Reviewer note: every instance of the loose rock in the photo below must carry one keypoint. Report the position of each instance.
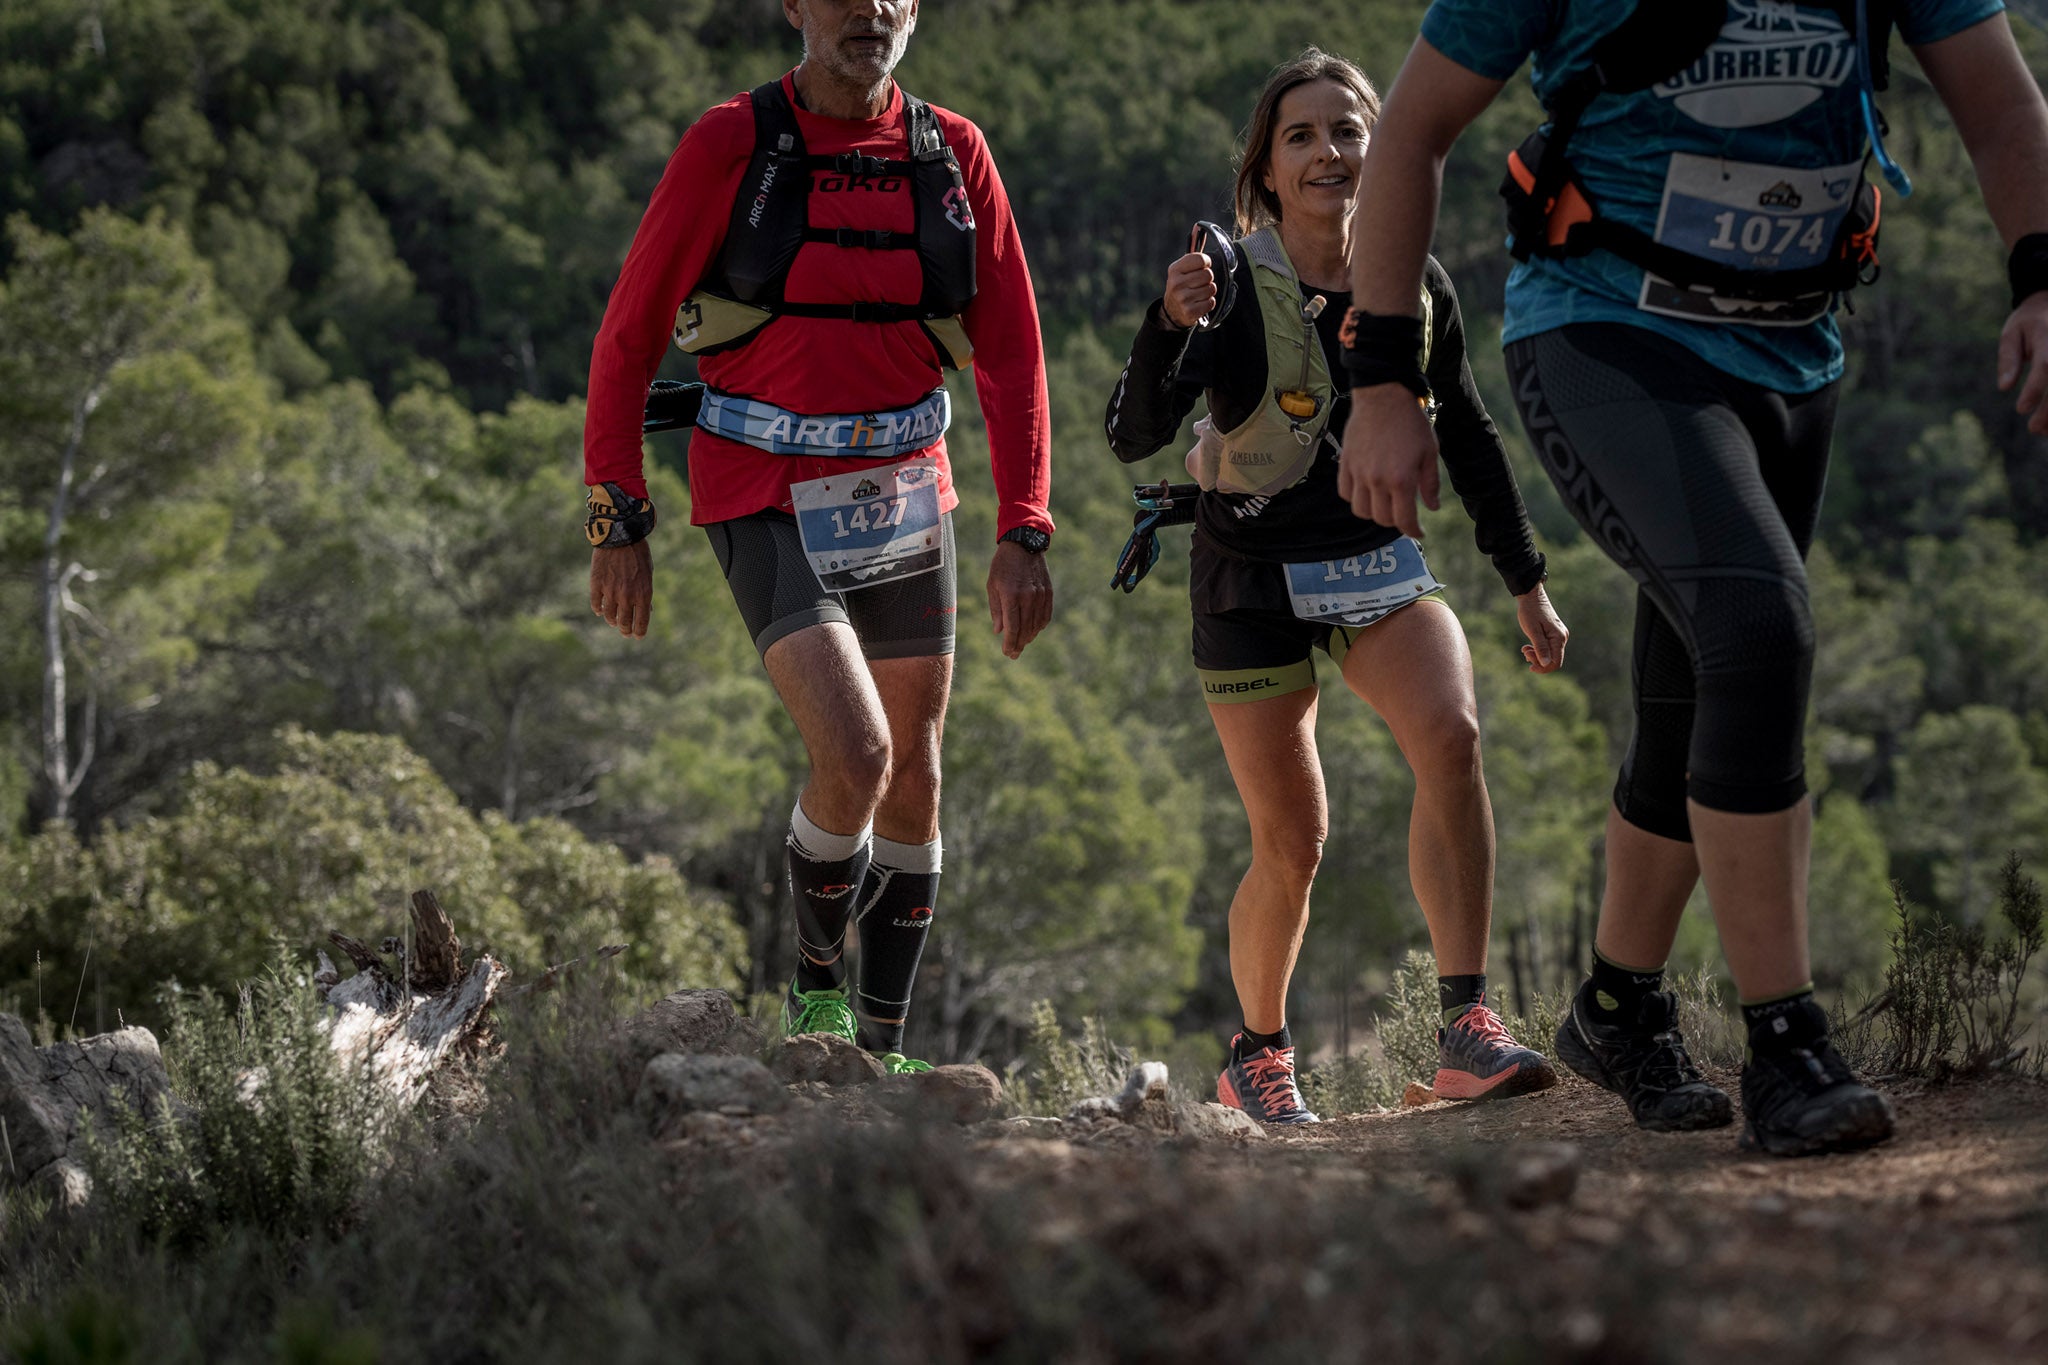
(48, 1094)
(1210, 1120)
(1522, 1176)
(1146, 1081)
(696, 1021)
(675, 1085)
(950, 1094)
(826, 1058)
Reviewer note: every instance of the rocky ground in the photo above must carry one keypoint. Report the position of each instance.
(1541, 1228)
(796, 1200)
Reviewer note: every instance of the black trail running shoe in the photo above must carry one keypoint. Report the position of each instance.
(1644, 1062)
(1799, 1097)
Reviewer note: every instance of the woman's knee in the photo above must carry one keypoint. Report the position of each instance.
(1292, 851)
(1443, 747)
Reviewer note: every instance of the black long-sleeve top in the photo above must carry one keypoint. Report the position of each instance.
(1170, 368)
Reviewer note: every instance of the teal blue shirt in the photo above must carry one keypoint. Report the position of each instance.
(1748, 157)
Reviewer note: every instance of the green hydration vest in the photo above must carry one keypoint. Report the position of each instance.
(1274, 447)
(770, 223)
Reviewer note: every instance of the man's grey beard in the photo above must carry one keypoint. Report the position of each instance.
(899, 43)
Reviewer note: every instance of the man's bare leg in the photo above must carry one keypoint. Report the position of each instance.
(900, 895)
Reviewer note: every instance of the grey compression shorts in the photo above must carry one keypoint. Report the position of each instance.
(779, 594)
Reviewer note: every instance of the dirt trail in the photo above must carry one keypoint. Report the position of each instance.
(1675, 1248)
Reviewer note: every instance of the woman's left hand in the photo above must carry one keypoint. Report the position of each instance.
(1547, 634)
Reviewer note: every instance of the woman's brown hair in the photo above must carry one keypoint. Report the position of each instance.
(1256, 205)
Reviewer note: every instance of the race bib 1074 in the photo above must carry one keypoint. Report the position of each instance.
(1749, 217)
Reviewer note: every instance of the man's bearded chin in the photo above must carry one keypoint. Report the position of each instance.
(856, 65)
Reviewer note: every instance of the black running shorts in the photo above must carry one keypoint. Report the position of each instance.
(1706, 489)
(1249, 644)
(779, 594)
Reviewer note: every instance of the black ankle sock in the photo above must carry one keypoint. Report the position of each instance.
(1456, 994)
(1790, 1021)
(1618, 991)
(895, 918)
(1249, 1043)
(822, 882)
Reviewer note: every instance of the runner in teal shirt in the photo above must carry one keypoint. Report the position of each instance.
(1684, 413)
(1778, 89)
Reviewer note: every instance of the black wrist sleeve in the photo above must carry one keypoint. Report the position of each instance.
(2027, 267)
(614, 517)
(1384, 350)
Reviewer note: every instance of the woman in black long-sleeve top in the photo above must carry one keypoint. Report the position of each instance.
(1281, 567)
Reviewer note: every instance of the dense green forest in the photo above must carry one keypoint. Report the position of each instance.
(296, 303)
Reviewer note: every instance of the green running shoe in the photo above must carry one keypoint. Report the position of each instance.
(823, 1011)
(896, 1064)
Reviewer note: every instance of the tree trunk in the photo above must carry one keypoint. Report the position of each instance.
(60, 769)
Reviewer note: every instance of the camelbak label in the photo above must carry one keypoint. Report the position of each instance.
(1750, 217)
(1359, 589)
(871, 526)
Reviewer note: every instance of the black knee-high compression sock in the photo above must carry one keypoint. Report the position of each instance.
(895, 916)
(825, 870)
(1618, 991)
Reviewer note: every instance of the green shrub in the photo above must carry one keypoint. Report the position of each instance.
(1059, 1072)
(337, 836)
(271, 1131)
(1713, 1033)
(1951, 1005)
(1405, 1031)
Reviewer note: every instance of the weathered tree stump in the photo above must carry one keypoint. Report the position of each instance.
(401, 1022)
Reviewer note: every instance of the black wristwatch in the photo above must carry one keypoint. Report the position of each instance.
(1031, 538)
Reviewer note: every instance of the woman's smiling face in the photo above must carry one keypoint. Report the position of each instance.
(1319, 141)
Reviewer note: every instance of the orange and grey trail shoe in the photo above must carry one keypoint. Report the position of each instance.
(1263, 1086)
(1477, 1060)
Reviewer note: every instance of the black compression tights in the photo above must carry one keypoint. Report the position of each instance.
(1706, 489)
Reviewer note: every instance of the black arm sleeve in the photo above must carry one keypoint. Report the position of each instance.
(1154, 394)
(1471, 447)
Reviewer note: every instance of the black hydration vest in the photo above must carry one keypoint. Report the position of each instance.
(770, 223)
(1551, 216)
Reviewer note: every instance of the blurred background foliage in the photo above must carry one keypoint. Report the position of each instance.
(295, 311)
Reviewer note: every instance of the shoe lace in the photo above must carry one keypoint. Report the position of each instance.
(825, 1011)
(1272, 1074)
(1484, 1024)
(1663, 1062)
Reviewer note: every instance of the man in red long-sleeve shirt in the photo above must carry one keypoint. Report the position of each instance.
(826, 245)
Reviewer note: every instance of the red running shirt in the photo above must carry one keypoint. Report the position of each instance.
(820, 365)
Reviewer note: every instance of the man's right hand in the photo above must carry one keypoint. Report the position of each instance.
(1389, 458)
(1190, 290)
(622, 587)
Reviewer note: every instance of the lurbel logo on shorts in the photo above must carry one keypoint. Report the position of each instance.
(920, 918)
(1772, 60)
(867, 488)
